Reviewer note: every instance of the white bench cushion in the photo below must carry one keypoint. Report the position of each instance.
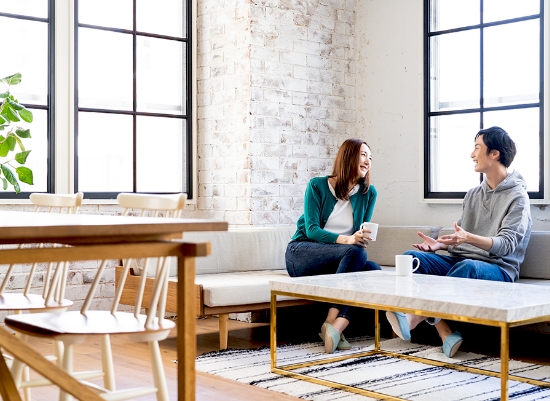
(239, 288)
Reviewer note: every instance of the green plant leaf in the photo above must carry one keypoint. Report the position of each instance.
(23, 133)
(2, 119)
(4, 183)
(10, 177)
(26, 115)
(12, 79)
(25, 175)
(11, 142)
(14, 104)
(21, 157)
(4, 149)
(9, 114)
(4, 95)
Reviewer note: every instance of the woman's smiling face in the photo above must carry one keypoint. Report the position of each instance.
(365, 161)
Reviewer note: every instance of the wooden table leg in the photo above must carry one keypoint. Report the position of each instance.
(504, 359)
(187, 342)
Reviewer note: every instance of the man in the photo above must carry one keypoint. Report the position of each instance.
(490, 238)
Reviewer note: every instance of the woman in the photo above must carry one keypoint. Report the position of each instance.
(328, 239)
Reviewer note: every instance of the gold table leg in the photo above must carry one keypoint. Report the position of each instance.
(504, 361)
(376, 330)
(273, 332)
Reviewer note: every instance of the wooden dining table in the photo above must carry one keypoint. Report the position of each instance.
(96, 237)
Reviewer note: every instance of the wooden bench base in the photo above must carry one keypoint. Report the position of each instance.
(201, 310)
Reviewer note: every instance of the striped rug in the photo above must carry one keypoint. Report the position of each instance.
(397, 377)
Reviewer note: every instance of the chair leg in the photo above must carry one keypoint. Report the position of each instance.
(68, 366)
(223, 330)
(107, 363)
(58, 351)
(158, 371)
(17, 371)
(26, 378)
(20, 371)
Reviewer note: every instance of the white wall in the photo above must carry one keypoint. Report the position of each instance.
(390, 112)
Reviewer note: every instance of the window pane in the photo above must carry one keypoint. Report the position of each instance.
(497, 10)
(105, 69)
(108, 13)
(29, 56)
(31, 8)
(448, 14)
(163, 17)
(160, 58)
(105, 162)
(38, 145)
(451, 144)
(511, 74)
(454, 70)
(160, 154)
(523, 127)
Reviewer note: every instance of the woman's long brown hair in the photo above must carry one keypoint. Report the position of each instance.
(345, 168)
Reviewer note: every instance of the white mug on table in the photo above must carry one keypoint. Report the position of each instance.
(404, 265)
(372, 227)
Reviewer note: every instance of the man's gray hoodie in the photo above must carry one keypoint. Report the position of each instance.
(504, 215)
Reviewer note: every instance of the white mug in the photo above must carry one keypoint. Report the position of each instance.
(372, 227)
(404, 265)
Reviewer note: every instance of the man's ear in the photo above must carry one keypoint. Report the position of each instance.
(495, 154)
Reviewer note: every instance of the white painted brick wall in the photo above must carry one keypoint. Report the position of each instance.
(295, 83)
(276, 88)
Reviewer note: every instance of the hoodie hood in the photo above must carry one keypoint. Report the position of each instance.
(513, 180)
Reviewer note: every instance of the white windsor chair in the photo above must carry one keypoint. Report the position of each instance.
(53, 281)
(72, 327)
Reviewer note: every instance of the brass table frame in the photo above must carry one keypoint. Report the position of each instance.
(287, 370)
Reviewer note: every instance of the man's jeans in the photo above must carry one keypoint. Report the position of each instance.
(442, 265)
(304, 258)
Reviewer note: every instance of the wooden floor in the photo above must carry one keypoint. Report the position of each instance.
(131, 359)
(131, 363)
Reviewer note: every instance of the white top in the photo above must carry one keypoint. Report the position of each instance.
(340, 220)
(491, 300)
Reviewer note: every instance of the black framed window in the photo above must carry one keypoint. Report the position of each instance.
(483, 68)
(132, 94)
(30, 25)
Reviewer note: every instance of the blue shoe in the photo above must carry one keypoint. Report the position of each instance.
(399, 324)
(343, 344)
(452, 344)
(331, 337)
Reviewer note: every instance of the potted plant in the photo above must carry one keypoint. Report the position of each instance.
(12, 136)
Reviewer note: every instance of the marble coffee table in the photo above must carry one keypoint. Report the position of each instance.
(490, 303)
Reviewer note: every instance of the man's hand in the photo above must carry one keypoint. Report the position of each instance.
(460, 236)
(429, 244)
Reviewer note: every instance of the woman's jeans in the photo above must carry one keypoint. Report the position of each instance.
(452, 266)
(304, 258)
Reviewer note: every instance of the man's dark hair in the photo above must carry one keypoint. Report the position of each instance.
(495, 138)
